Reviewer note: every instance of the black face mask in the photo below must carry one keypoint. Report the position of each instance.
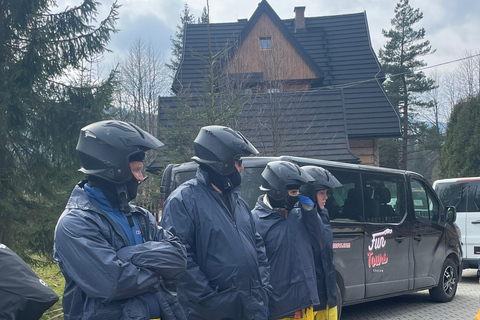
(108, 189)
(132, 188)
(290, 202)
(235, 178)
(276, 203)
(224, 183)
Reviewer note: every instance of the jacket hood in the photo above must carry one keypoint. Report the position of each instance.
(263, 209)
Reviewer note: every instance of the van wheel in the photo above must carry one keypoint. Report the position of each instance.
(447, 286)
(339, 302)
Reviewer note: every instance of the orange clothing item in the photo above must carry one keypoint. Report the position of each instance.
(305, 314)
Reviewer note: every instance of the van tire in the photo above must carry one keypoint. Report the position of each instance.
(447, 285)
(339, 302)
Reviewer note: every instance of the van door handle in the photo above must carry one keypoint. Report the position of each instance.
(418, 237)
(476, 222)
(399, 238)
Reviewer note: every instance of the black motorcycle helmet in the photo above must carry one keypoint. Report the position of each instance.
(105, 149)
(280, 176)
(323, 180)
(217, 147)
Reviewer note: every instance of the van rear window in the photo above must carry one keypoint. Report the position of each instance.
(182, 176)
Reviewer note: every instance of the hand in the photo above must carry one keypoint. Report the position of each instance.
(305, 200)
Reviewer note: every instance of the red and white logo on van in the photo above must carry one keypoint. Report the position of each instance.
(376, 258)
(341, 245)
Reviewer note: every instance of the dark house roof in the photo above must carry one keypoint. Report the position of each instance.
(337, 48)
(308, 124)
(274, 123)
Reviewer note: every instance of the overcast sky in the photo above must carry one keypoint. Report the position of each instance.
(453, 27)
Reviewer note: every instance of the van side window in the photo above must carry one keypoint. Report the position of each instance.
(251, 182)
(453, 194)
(383, 198)
(476, 197)
(344, 203)
(424, 203)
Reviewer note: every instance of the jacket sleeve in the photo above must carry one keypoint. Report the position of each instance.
(93, 264)
(263, 263)
(315, 228)
(178, 219)
(166, 258)
(162, 253)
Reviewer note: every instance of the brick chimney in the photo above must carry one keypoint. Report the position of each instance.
(299, 19)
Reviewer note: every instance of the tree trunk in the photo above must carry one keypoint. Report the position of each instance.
(405, 127)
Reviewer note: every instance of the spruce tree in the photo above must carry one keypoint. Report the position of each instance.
(460, 155)
(177, 43)
(204, 18)
(41, 112)
(400, 61)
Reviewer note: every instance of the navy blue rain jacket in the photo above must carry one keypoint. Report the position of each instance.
(104, 276)
(23, 295)
(291, 242)
(227, 272)
(326, 271)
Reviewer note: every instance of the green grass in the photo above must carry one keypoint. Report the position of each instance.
(54, 278)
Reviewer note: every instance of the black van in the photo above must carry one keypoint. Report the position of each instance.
(391, 234)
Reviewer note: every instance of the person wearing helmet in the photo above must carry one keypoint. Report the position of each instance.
(289, 226)
(326, 271)
(113, 255)
(227, 273)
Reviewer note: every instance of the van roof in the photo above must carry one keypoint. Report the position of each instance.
(319, 162)
(301, 161)
(450, 180)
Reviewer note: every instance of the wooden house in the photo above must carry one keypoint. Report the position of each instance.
(312, 85)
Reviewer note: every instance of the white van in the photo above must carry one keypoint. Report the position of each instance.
(464, 194)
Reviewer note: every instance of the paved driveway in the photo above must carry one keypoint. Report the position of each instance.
(419, 305)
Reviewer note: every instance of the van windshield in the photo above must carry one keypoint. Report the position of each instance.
(451, 194)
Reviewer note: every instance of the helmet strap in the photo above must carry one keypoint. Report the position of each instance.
(124, 206)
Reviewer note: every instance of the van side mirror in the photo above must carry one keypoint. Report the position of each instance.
(451, 214)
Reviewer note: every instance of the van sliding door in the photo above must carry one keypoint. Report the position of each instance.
(346, 215)
(472, 223)
(387, 235)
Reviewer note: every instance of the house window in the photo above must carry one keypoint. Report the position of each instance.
(265, 43)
